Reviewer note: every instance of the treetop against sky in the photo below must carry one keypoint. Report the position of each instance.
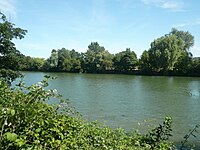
(115, 24)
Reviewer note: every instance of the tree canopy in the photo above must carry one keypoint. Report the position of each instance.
(9, 55)
(186, 37)
(125, 60)
(167, 54)
(97, 59)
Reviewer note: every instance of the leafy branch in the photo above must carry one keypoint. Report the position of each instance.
(189, 134)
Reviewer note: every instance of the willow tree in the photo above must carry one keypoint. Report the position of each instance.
(166, 51)
(186, 37)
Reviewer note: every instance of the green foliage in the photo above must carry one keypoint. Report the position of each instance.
(31, 64)
(186, 37)
(169, 53)
(9, 75)
(53, 59)
(125, 60)
(195, 66)
(183, 64)
(63, 55)
(160, 134)
(164, 52)
(63, 60)
(97, 59)
(9, 55)
(28, 122)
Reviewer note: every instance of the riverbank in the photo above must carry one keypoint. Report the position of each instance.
(131, 72)
(27, 121)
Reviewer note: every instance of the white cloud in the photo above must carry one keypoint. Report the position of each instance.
(169, 5)
(181, 25)
(7, 7)
(186, 24)
(173, 5)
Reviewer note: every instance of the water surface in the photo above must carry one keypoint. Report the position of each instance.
(130, 101)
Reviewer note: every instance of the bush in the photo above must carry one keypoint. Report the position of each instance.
(27, 121)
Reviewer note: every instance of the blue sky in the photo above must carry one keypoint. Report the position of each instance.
(115, 24)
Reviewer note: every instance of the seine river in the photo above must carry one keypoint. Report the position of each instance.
(129, 101)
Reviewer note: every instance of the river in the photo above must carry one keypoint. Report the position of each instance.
(130, 101)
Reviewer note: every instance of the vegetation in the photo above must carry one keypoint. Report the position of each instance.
(125, 60)
(96, 59)
(168, 55)
(28, 122)
(9, 56)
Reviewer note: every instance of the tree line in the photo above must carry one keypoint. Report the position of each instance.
(167, 55)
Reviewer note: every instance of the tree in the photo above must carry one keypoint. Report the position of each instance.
(62, 55)
(97, 59)
(125, 60)
(195, 66)
(63, 60)
(68, 60)
(53, 59)
(183, 64)
(187, 38)
(164, 52)
(46, 66)
(37, 64)
(9, 55)
(75, 61)
(72, 65)
(31, 64)
(170, 51)
(144, 62)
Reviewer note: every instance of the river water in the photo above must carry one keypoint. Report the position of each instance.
(129, 101)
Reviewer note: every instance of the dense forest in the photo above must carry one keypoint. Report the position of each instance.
(167, 55)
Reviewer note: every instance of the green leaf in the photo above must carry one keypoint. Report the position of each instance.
(38, 130)
(20, 142)
(12, 112)
(10, 136)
